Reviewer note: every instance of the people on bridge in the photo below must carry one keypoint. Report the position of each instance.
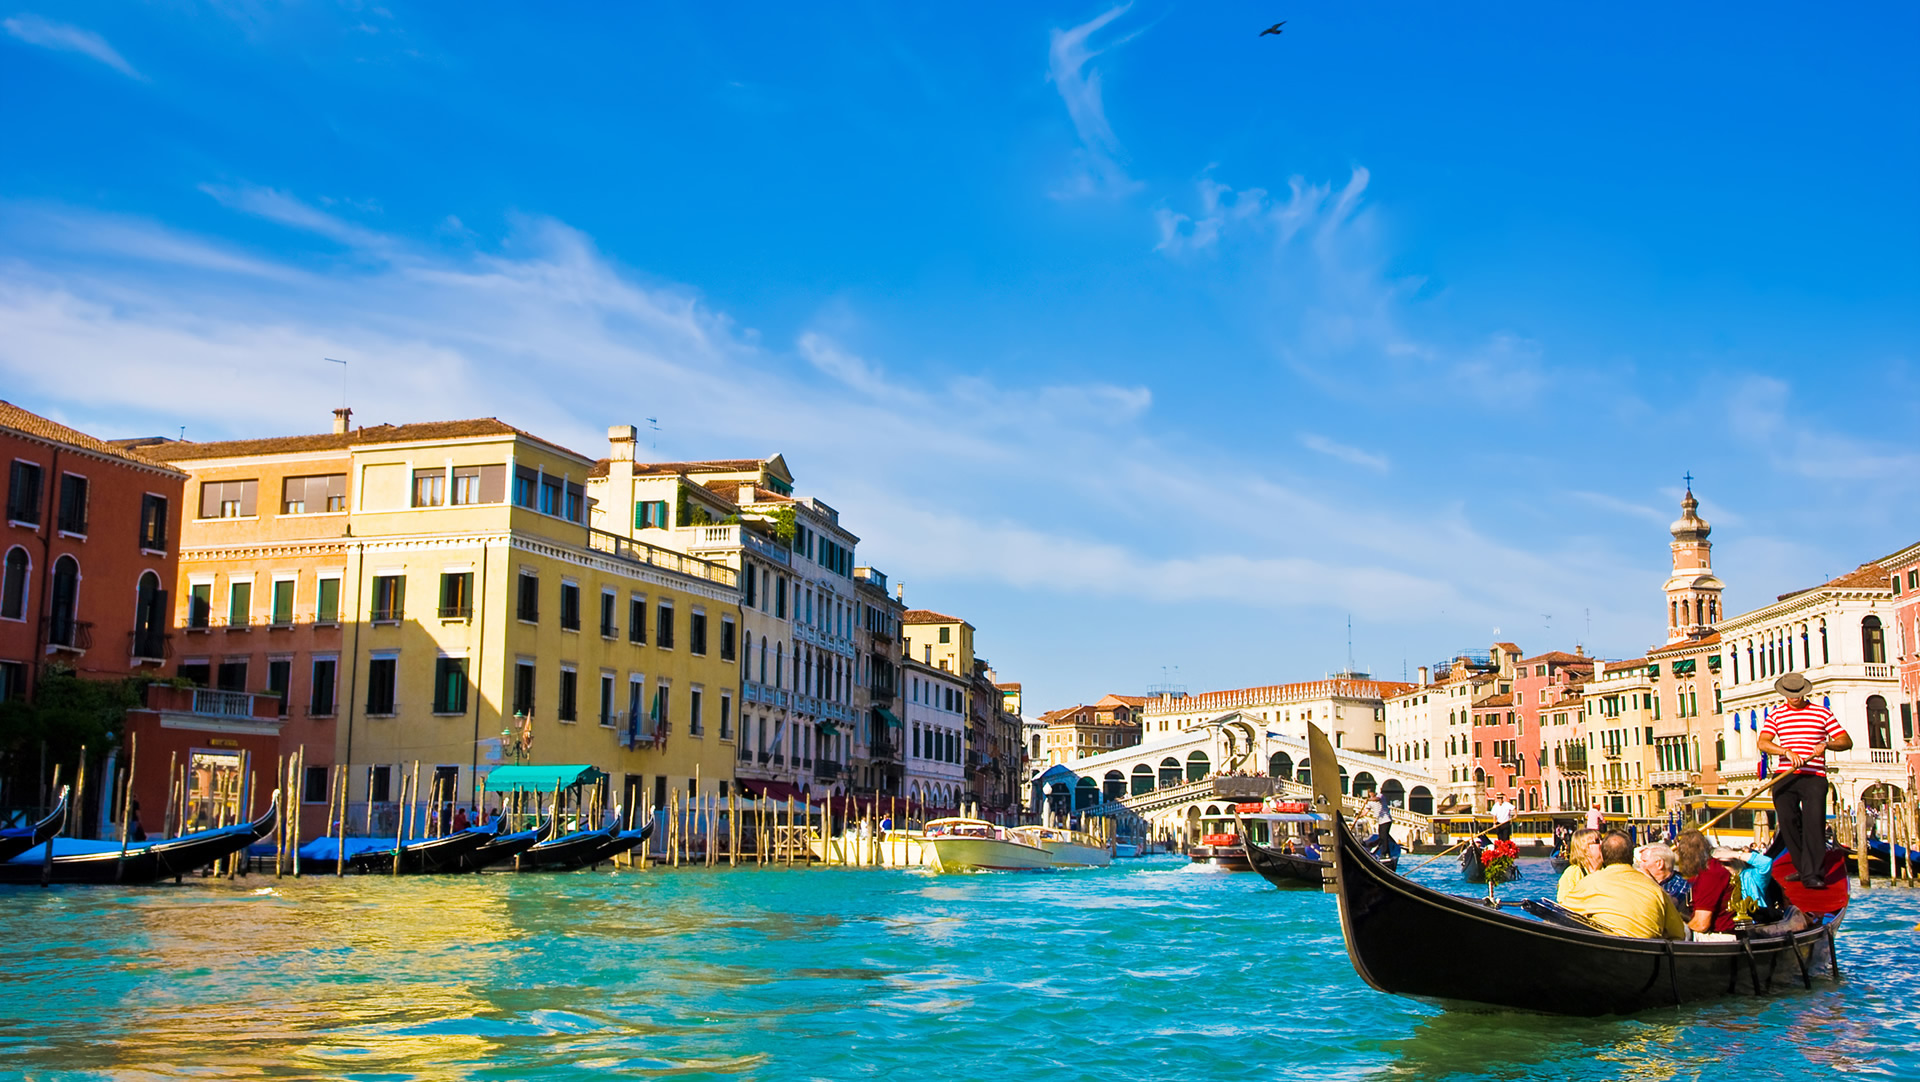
(1802, 733)
(1621, 899)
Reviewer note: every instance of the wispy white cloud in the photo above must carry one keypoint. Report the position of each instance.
(66, 38)
(1343, 452)
(1761, 416)
(291, 211)
(1620, 506)
(1069, 64)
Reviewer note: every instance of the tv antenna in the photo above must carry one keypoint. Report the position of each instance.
(654, 424)
(343, 378)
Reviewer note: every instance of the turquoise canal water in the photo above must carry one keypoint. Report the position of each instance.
(1149, 970)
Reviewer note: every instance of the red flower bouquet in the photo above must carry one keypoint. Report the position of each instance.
(1497, 860)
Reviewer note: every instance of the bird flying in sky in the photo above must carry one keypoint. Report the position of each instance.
(1274, 29)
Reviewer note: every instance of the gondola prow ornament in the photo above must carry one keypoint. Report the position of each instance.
(1325, 767)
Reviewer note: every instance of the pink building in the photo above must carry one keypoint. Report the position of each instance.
(1904, 569)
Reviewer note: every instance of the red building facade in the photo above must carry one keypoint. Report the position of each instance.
(88, 554)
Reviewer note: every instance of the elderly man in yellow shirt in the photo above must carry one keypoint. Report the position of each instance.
(1622, 899)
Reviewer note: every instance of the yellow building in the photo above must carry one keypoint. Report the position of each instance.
(435, 593)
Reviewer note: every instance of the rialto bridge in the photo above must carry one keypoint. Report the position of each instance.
(1171, 781)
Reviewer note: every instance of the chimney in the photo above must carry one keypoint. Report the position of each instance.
(342, 421)
(748, 494)
(620, 441)
(1579, 650)
(1423, 676)
(900, 592)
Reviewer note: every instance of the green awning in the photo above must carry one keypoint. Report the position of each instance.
(890, 718)
(540, 779)
(829, 728)
(1681, 668)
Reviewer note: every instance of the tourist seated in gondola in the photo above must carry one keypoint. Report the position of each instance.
(1583, 854)
(1623, 900)
(1658, 861)
(1711, 883)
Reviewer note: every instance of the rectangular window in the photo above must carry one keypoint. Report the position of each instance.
(389, 598)
(313, 786)
(747, 582)
(569, 606)
(479, 484)
(153, 522)
(576, 506)
(663, 627)
(650, 515)
(946, 634)
(569, 695)
(694, 696)
(229, 499)
(529, 607)
(450, 685)
(726, 716)
(200, 604)
(280, 680)
(456, 595)
(239, 604)
(380, 788)
(663, 707)
(326, 492)
(780, 596)
(383, 675)
(549, 495)
(609, 606)
(637, 619)
(283, 602)
(697, 633)
(636, 701)
(23, 493)
(73, 503)
(727, 648)
(320, 696)
(523, 675)
(526, 487)
(326, 609)
(607, 711)
(430, 488)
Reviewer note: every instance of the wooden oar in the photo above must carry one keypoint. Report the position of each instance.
(1458, 844)
(1777, 779)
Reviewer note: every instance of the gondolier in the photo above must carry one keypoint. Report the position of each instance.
(1503, 819)
(1802, 733)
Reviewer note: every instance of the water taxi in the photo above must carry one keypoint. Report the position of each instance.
(1220, 842)
(1069, 848)
(960, 844)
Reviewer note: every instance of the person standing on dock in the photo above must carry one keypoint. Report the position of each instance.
(1802, 733)
(1595, 819)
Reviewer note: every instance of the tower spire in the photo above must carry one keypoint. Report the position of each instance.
(1693, 593)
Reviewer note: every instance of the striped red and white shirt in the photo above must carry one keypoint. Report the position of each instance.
(1801, 730)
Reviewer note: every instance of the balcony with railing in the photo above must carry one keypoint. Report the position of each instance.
(730, 536)
(149, 646)
(210, 704)
(70, 634)
(639, 552)
(825, 769)
(456, 612)
(1670, 779)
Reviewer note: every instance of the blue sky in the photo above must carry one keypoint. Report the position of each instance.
(1155, 348)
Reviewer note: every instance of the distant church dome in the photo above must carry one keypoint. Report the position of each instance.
(1690, 526)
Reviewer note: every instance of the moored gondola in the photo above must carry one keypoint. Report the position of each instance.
(1297, 864)
(1409, 940)
(622, 842)
(576, 849)
(77, 861)
(503, 847)
(17, 840)
(427, 856)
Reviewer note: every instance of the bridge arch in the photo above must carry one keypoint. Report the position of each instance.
(1114, 785)
(1198, 765)
(1394, 793)
(1280, 765)
(1086, 793)
(1170, 773)
(1345, 790)
(1142, 779)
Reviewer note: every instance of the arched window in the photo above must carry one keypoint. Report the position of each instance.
(1363, 784)
(1824, 657)
(779, 669)
(1085, 794)
(13, 585)
(1873, 641)
(150, 619)
(1673, 614)
(64, 629)
(1114, 785)
(1879, 724)
(1420, 800)
(1280, 765)
(1686, 616)
(1806, 646)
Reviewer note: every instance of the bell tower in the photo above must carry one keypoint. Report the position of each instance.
(1693, 593)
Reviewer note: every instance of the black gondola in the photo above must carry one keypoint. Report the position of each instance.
(429, 856)
(568, 851)
(17, 840)
(77, 861)
(622, 842)
(1285, 869)
(1409, 940)
(503, 847)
